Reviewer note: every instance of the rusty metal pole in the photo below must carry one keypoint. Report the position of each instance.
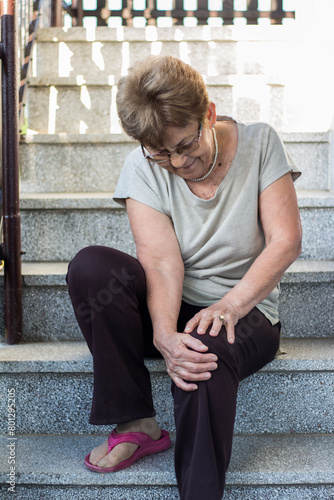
(56, 13)
(10, 175)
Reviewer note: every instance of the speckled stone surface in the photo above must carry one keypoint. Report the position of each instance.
(280, 493)
(92, 162)
(169, 493)
(310, 154)
(307, 309)
(151, 33)
(57, 235)
(73, 356)
(53, 383)
(48, 313)
(318, 234)
(307, 298)
(71, 164)
(46, 222)
(112, 58)
(146, 492)
(91, 109)
(257, 461)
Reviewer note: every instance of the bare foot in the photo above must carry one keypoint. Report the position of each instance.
(99, 455)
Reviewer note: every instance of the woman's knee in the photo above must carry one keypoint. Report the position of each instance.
(84, 268)
(217, 345)
(101, 273)
(94, 263)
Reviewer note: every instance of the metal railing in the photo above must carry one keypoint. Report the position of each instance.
(10, 249)
(227, 12)
(28, 21)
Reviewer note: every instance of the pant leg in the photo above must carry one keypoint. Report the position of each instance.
(204, 418)
(108, 292)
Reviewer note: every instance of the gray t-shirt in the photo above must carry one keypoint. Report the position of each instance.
(219, 238)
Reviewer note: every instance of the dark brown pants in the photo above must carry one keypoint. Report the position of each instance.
(108, 291)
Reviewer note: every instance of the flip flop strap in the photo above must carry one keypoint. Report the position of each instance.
(138, 438)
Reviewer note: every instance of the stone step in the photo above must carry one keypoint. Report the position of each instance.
(244, 82)
(282, 467)
(60, 163)
(77, 108)
(306, 290)
(77, 220)
(108, 52)
(53, 386)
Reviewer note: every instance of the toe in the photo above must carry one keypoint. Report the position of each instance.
(118, 454)
(98, 453)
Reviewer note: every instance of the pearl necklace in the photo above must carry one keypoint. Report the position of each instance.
(214, 161)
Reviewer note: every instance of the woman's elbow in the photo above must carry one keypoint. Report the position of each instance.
(289, 246)
(295, 245)
(298, 249)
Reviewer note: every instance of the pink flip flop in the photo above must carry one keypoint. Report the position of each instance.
(146, 446)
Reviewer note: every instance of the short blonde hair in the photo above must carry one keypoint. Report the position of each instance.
(160, 91)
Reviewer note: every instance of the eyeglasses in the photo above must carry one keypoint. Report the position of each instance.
(186, 149)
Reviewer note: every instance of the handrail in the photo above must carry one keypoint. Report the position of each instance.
(27, 38)
(12, 118)
(11, 247)
(127, 12)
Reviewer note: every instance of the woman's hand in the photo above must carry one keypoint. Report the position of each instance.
(210, 316)
(186, 359)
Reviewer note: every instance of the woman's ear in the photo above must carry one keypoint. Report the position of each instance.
(212, 115)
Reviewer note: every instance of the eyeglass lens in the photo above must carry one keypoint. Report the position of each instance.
(187, 148)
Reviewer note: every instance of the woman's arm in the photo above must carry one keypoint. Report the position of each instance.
(159, 253)
(280, 220)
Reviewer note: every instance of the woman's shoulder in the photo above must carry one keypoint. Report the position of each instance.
(261, 130)
(138, 171)
(134, 159)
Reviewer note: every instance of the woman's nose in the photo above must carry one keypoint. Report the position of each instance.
(176, 160)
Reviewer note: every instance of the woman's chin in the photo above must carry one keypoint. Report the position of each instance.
(188, 172)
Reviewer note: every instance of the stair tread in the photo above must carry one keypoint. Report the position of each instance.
(306, 198)
(256, 460)
(73, 82)
(153, 33)
(53, 273)
(299, 354)
(64, 137)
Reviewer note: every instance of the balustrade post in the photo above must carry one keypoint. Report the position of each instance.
(56, 13)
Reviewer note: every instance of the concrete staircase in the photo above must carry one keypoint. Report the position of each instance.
(70, 161)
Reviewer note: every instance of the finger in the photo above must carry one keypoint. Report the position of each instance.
(190, 377)
(216, 327)
(181, 384)
(191, 324)
(193, 343)
(204, 325)
(199, 367)
(230, 332)
(206, 320)
(192, 357)
(197, 354)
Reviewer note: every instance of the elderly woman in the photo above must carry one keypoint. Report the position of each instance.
(214, 215)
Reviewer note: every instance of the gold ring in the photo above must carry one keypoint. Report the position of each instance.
(222, 318)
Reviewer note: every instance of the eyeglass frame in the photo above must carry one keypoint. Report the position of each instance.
(170, 153)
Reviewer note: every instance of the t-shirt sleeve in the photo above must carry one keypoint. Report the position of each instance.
(138, 181)
(275, 161)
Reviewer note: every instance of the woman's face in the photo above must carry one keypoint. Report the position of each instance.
(195, 164)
